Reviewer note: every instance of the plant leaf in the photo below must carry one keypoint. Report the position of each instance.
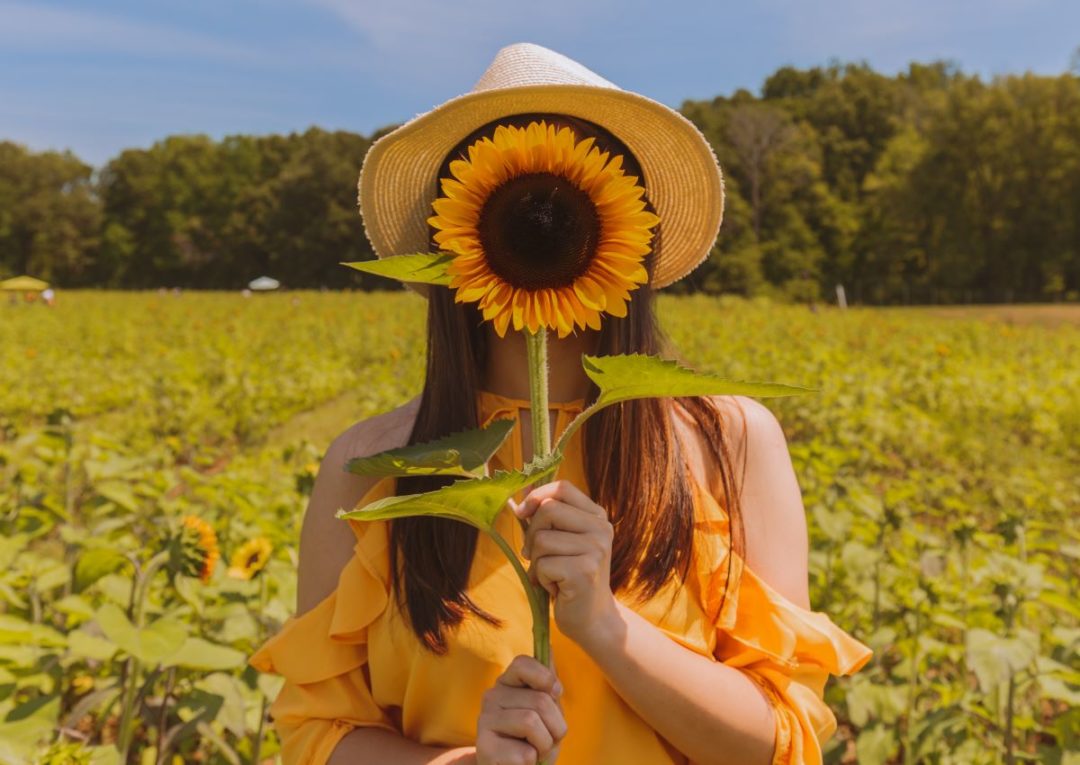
(150, 644)
(96, 563)
(197, 653)
(993, 658)
(82, 644)
(463, 454)
(420, 267)
(630, 376)
(476, 501)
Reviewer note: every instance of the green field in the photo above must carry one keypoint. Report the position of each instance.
(939, 463)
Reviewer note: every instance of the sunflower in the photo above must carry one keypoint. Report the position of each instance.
(196, 553)
(250, 558)
(546, 231)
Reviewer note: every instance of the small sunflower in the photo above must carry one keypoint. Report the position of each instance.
(546, 231)
(196, 553)
(250, 558)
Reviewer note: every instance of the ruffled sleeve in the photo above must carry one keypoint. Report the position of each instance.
(788, 651)
(322, 654)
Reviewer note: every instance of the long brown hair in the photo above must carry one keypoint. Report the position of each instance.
(644, 486)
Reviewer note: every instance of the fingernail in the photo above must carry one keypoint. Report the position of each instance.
(558, 689)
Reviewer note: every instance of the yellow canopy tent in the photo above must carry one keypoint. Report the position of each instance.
(23, 284)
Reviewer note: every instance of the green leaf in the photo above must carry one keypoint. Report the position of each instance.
(151, 644)
(994, 658)
(625, 377)
(197, 653)
(877, 745)
(630, 376)
(14, 630)
(1062, 601)
(463, 454)
(96, 563)
(418, 268)
(475, 501)
(26, 726)
(231, 692)
(119, 493)
(85, 645)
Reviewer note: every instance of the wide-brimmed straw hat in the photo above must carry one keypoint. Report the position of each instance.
(682, 178)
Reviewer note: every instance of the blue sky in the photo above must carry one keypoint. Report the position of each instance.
(101, 76)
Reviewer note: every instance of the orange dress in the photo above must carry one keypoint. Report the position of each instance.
(352, 660)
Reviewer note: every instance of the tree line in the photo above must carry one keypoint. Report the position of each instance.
(930, 186)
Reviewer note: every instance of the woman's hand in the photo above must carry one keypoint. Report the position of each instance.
(568, 540)
(521, 721)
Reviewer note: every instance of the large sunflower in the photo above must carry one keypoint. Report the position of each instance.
(546, 231)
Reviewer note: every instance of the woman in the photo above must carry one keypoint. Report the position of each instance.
(673, 541)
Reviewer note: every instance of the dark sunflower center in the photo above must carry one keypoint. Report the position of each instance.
(539, 230)
(252, 560)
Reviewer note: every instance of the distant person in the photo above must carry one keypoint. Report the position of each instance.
(48, 296)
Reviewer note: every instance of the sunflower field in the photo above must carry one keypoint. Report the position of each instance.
(157, 450)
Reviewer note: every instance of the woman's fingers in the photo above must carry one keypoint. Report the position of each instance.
(520, 718)
(542, 703)
(525, 724)
(493, 748)
(564, 491)
(554, 514)
(557, 542)
(526, 672)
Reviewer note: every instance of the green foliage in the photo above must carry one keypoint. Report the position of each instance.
(418, 268)
(476, 501)
(626, 377)
(462, 454)
(936, 458)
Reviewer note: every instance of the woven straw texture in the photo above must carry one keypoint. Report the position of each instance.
(398, 181)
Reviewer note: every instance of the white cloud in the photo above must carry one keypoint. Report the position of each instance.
(427, 40)
(41, 28)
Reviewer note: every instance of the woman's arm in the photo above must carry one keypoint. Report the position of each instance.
(711, 712)
(375, 745)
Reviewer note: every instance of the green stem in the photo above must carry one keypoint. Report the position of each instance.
(538, 392)
(257, 747)
(541, 642)
(536, 345)
(126, 728)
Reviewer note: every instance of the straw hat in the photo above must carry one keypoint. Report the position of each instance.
(398, 180)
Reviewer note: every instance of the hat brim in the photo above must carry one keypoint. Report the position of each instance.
(398, 180)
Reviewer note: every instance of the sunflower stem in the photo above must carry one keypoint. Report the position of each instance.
(536, 345)
(538, 391)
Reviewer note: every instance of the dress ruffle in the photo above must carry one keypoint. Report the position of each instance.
(337, 625)
(322, 653)
(786, 650)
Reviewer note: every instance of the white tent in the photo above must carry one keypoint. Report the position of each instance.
(264, 283)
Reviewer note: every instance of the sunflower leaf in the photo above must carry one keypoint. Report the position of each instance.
(418, 268)
(476, 501)
(463, 454)
(625, 377)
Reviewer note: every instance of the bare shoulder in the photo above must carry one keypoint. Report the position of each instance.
(324, 549)
(388, 430)
(773, 515)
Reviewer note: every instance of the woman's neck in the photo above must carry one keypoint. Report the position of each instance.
(507, 372)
